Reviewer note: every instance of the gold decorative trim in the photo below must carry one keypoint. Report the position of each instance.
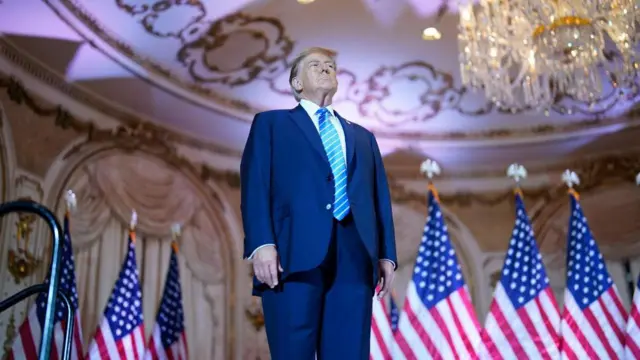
(89, 21)
(10, 335)
(412, 173)
(594, 173)
(142, 137)
(77, 93)
(128, 135)
(447, 98)
(21, 262)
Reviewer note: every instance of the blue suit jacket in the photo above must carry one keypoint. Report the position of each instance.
(287, 187)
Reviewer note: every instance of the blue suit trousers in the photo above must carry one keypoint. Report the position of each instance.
(325, 310)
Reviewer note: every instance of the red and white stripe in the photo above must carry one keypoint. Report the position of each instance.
(597, 332)
(382, 341)
(530, 332)
(27, 343)
(105, 347)
(632, 340)
(449, 330)
(176, 351)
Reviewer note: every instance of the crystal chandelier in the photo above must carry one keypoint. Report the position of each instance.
(527, 53)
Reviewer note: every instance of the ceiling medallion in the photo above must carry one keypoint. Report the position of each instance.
(530, 53)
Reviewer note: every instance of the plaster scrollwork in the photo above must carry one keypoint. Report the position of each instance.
(269, 59)
(114, 185)
(164, 18)
(192, 35)
(134, 7)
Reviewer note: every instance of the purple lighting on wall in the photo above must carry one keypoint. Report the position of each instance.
(14, 15)
(90, 64)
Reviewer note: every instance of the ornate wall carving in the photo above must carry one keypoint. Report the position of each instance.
(594, 172)
(267, 54)
(91, 144)
(92, 139)
(108, 185)
(62, 118)
(20, 256)
(131, 135)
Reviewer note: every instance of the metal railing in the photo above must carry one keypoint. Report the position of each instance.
(51, 289)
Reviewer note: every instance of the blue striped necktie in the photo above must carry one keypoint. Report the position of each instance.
(333, 148)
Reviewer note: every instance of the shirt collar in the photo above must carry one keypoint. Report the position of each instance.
(311, 108)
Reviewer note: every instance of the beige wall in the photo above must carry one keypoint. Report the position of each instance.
(47, 149)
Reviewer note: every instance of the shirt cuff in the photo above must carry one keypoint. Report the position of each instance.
(391, 261)
(256, 250)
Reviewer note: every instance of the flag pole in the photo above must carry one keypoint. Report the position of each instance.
(436, 287)
(71, 205)
(627, 264)
(132, 226)
(122, 330)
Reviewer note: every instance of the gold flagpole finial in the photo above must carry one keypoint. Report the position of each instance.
(176, 232)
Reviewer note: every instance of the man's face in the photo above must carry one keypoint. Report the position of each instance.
(318, 74)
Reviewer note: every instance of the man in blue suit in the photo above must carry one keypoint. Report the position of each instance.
(317, 219)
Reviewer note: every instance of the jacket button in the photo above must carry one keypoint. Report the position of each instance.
(328, 207)
(330, 177)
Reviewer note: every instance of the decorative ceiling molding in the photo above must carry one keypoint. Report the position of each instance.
(199, 36)
(149, 66)
(404, 173)
(147, 15)
(594, 173)
(155, 140)
(86, 97)
(17, 57)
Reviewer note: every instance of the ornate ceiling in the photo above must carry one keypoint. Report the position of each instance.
(205, 67)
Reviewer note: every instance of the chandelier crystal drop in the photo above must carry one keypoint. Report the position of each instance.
(526, 53)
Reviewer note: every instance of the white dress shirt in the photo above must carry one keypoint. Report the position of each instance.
(311, 108)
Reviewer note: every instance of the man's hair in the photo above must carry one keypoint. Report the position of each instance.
(295, 66)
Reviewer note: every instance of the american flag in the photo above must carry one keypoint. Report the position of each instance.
(168, 340)
(26, 344)
(593, 319)
(632, 340)
(437, 319)
(120, 334)
(523, 318)
(394, 313)
(382, 340)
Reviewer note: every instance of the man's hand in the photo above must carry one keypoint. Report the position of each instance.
(387, 273)
(266, 265)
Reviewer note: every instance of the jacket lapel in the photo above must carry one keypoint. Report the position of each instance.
(302, 120)
(349, 139)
